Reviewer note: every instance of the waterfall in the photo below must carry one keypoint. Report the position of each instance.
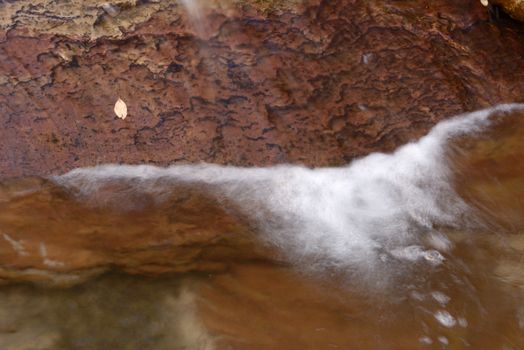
(369, 214)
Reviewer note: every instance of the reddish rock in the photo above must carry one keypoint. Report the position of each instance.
(317, 83)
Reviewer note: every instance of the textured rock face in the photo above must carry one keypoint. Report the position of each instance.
(260, 83)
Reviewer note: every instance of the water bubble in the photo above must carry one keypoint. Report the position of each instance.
(440, 297)
(462, 322)
(443, 340)
(425, 340)
(438, 241)
(445, 318)
(434, 257)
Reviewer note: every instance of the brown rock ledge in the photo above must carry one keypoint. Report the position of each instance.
(48, 235)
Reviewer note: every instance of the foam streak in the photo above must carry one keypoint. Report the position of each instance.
(373, 209)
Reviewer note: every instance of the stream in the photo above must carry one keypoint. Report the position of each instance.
(419, 248)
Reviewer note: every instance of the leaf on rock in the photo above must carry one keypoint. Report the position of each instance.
(121, 109)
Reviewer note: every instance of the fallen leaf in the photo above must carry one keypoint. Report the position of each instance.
(121, 109)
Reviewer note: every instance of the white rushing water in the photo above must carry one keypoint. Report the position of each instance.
(193, 9)
(376, 210)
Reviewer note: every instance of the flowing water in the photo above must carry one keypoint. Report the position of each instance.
(421, 248)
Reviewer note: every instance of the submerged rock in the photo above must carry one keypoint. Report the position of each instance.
(49, 236)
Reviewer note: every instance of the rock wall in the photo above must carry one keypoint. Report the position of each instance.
(258, 83)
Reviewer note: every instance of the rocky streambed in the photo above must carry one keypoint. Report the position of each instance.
(293, 248)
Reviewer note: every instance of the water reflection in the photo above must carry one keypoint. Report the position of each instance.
(112, 312)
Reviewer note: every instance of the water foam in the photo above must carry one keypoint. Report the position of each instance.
(196, 19)
(374, 210)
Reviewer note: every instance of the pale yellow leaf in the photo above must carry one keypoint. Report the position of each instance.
(121, 109)
(484, 2)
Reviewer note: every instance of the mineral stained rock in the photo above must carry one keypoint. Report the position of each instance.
(241, 82)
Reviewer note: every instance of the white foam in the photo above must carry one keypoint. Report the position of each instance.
(443, 340)
(425, 340)
(193, 8)
(445, 318)
(440, 297)
(347, 216)
(195, 15)
(462, 322)
(414, 253)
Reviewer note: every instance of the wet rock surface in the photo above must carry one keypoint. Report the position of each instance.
(314, 82)
(48, 236)
(514, 8)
